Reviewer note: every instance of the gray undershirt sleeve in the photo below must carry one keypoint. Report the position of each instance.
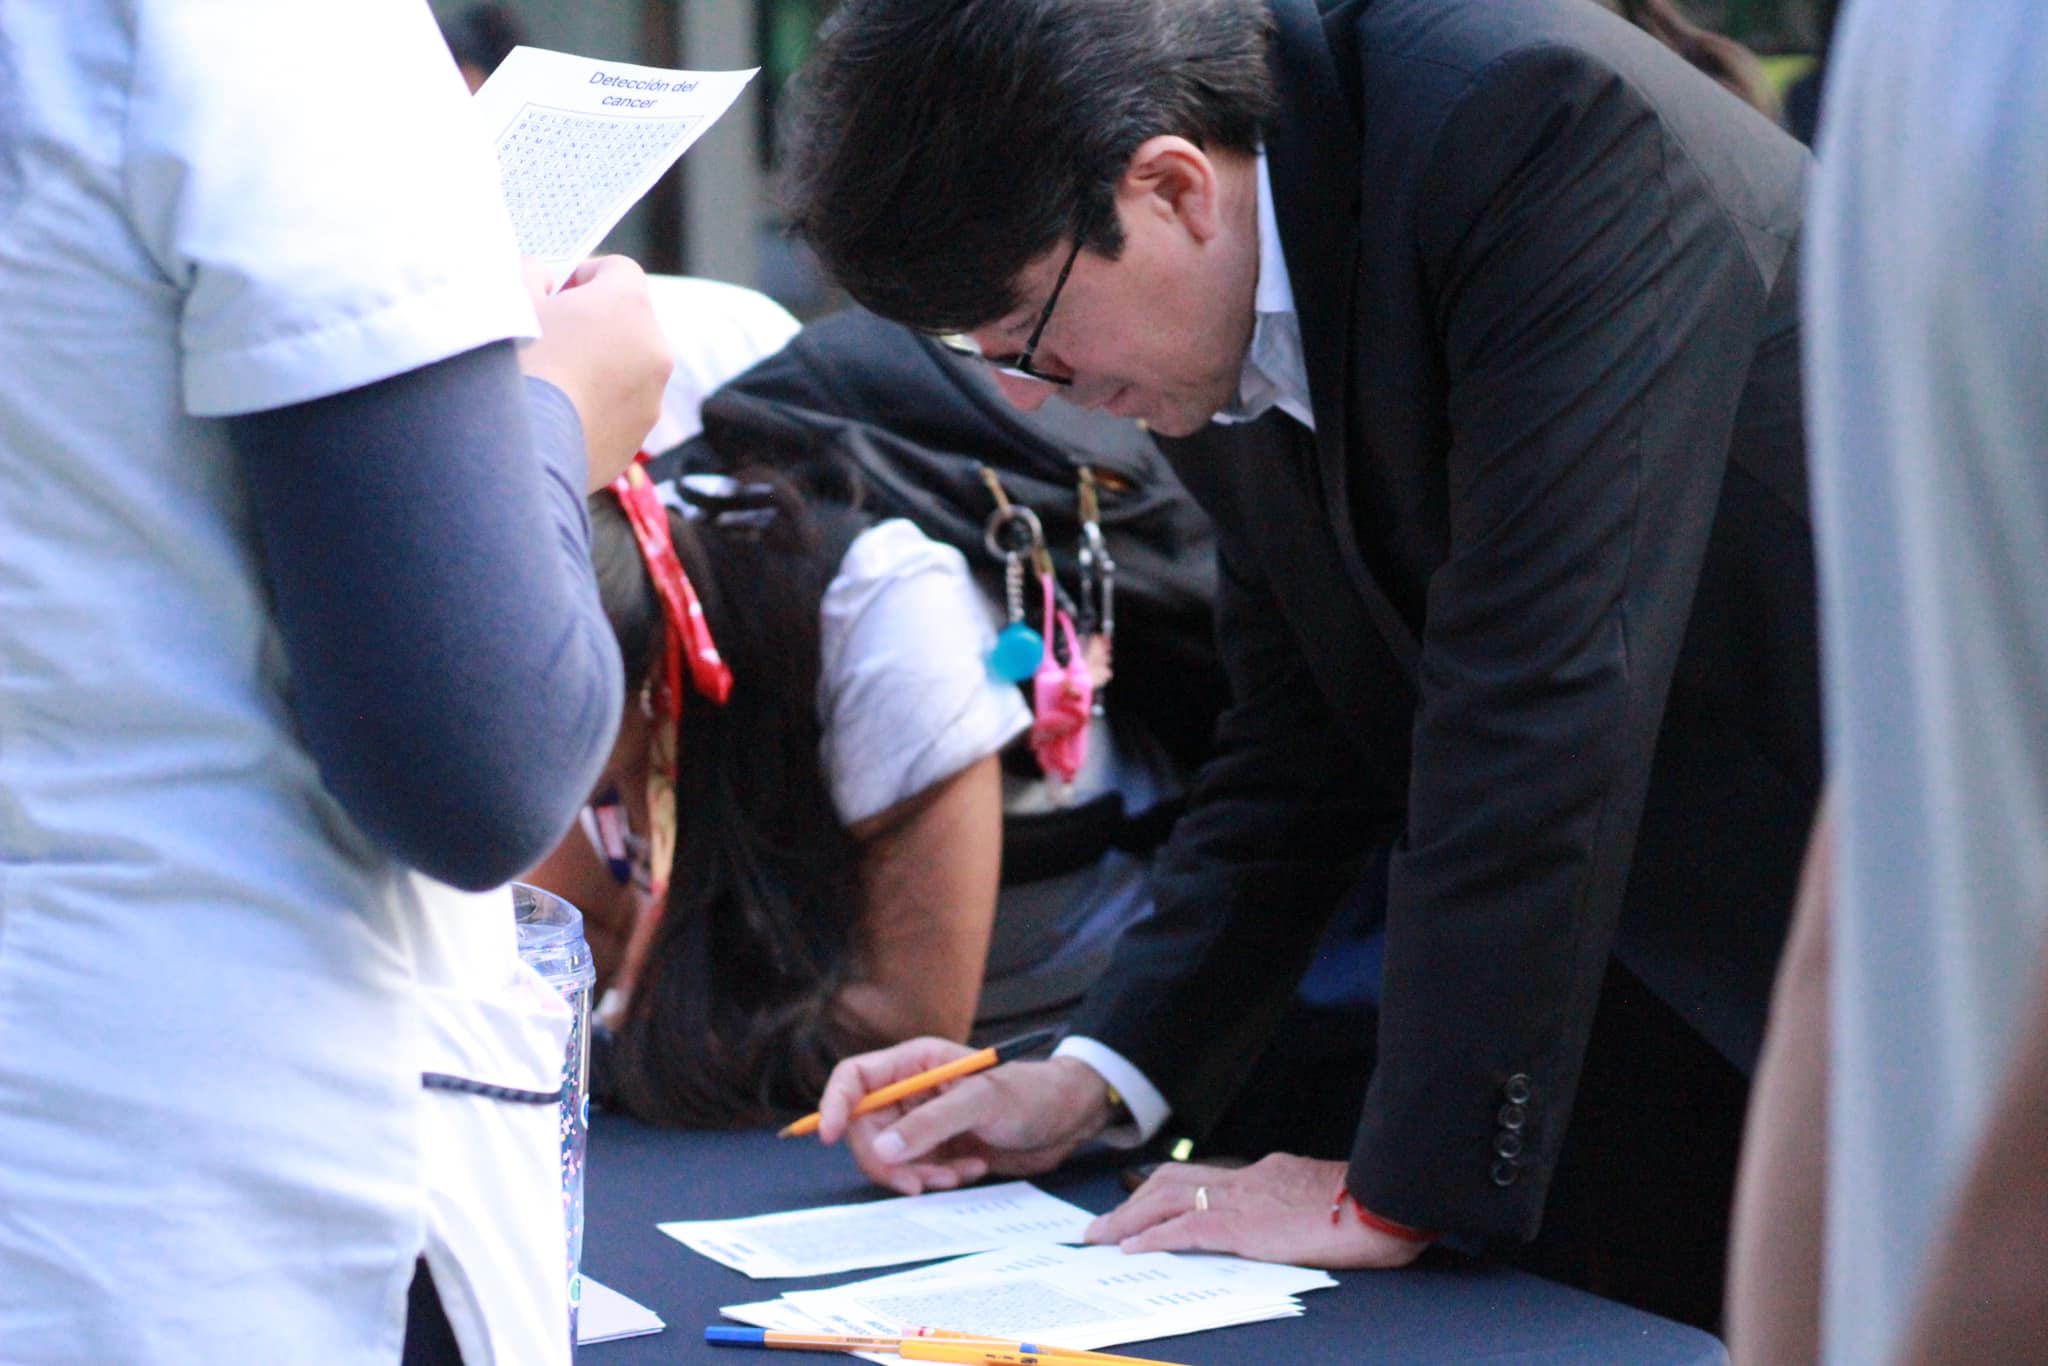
(427, 550)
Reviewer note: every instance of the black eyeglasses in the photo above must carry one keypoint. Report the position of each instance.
(1019, 366)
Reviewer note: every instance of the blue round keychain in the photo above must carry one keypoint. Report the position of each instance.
(1016, 653)
(1010, 532)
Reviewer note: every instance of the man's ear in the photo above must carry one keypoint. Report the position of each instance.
(1172, 180)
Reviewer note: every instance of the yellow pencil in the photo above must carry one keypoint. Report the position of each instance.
(956, 1347)
(978, 1061)
(1067, 1353)
(967, 1352)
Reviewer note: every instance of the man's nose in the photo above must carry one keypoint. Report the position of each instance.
(1027, 394)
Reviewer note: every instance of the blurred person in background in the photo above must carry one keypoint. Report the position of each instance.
(1894, 1203)
(480, 37)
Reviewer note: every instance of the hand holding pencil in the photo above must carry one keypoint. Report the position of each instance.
(1015, 1119)
(931, 1078)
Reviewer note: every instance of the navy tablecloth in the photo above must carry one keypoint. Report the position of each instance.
(1442, 1310)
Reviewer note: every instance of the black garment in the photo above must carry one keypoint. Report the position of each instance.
(1639, 1206)
(859, 409)
(429, 1337)
(1533, 607)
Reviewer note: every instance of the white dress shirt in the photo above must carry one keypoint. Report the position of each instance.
(1275, 375)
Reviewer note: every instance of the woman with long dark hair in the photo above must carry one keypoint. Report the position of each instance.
(837, 817)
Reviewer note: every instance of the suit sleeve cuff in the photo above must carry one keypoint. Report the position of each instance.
(1148, 1108)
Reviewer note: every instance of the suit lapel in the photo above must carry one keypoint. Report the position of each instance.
(1312, 160)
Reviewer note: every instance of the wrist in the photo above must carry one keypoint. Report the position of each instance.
(1091, 1102)
(1344, 1199)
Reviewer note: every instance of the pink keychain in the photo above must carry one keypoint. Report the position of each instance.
(1064, 695)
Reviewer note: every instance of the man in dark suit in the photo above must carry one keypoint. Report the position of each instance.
(1493, 302)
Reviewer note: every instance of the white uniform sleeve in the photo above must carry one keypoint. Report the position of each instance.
(904, 693)
(717, 331)
(311, 179)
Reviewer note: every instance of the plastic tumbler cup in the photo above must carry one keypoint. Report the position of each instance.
(551, 940)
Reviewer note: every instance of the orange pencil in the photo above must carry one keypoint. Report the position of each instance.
(964, 1352)
(978, 1061)
(1063, 1353)
(970, 1348)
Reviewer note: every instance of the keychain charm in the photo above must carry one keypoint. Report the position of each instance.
(1098, 587)
(1063, 696)
(1012, 532)
(1017, 646)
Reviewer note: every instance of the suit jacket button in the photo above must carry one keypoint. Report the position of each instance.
(1508, 1144)
(1506, 1172)
(1517, 1088)
(1512, 1116)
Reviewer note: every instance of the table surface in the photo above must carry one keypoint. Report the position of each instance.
(1443, 1309)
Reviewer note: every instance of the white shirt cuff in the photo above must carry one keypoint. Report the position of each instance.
(1148, 1108)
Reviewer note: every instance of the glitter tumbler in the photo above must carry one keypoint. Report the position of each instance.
(551, 940)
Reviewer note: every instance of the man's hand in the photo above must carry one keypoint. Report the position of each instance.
(1019, 1119)
(1277, 1210)
(601, 344)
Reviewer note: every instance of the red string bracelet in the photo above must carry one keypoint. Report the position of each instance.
(1373, 1221)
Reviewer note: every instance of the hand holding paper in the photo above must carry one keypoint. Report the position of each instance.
(601, 344)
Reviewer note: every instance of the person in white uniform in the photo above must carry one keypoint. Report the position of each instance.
(257, 359)
(1911, 1023)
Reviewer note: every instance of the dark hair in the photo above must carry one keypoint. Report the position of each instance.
(734, 1017)
(482, 36)
(934, 150)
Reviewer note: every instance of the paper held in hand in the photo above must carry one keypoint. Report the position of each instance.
(580, 140)
(910, 1228)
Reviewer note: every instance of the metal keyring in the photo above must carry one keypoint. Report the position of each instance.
(1000, 519)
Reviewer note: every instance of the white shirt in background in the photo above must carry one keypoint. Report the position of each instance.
(1927, 386)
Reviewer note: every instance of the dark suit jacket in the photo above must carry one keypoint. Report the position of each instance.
(1533, 606)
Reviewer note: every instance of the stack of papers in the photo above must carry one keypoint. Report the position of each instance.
(1087, 1298)
(1017, 1282)
(911, 1228)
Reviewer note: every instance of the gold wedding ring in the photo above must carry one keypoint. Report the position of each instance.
(1202, 1198)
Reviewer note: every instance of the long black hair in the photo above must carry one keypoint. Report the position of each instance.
(734, 1018)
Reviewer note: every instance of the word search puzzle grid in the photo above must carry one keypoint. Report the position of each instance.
(563, 169)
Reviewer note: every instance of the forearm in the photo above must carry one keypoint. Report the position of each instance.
(1775, 1244)
(1273, 839)
(929, 874)
(1588, 422)
(425, 544)
(1986, 1294)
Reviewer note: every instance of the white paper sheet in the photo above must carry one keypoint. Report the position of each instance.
(604, 1314)
(916, 1228)
(580, 140)
(1076, 1297)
